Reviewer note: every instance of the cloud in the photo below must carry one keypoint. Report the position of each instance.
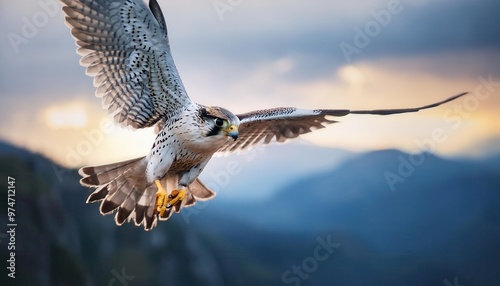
(312, 32)
(265, 54)
(467, 120)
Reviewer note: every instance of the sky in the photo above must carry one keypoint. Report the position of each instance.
(246, 55)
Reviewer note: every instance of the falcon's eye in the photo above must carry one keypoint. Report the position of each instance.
(220, 122)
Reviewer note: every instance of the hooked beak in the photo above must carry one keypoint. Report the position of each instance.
(232, 131)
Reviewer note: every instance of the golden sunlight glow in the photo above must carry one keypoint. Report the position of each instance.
(351, 75)
(66, 116)
(454, 128)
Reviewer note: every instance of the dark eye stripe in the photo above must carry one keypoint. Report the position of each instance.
(215, 131)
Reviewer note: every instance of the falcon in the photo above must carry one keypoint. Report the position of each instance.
(124, 46)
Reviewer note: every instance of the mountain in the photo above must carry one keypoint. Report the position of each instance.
(59, 240)
(379, 218)
(228, 175)
(400, 219)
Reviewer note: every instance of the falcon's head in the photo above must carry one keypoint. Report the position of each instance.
(220, 122)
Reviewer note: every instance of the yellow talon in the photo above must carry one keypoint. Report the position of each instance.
(163, 202)
(176, 197)
(161, 199)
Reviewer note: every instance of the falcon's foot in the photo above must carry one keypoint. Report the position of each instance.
(176, 197)
(163, 202)
(161, 199)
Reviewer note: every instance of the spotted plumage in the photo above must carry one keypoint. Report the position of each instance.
(124, 46)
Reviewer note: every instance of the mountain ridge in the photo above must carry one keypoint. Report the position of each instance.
(442, 221)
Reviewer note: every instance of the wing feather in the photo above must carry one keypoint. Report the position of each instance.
(283, 123)
(124, 46)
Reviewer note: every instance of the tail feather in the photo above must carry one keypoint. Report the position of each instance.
(200, 191)
(117, 194)
(99, 175)
(122, 187)
(144, 210)
(133, 202)
(149, 216)
(127, 207)
(100, 193)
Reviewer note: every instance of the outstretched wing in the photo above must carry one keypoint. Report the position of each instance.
(124, 46)
(280, 124)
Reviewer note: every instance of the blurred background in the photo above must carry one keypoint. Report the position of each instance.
(408, 199)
